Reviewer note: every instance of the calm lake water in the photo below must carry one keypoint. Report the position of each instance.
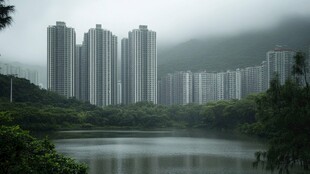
(167, 152)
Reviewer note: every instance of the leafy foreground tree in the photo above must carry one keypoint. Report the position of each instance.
(284, 113)
(5, 11)
(21, 153)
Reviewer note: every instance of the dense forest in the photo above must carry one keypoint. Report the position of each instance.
(38, 109)
(281, 116)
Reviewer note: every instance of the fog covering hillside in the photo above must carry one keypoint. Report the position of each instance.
(243, 50)
(41, 69)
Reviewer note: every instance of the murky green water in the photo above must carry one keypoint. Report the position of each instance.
(167, 152)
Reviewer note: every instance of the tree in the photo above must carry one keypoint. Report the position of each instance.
(21, 153)
(300, 69)
(5, 12)
(285, 115)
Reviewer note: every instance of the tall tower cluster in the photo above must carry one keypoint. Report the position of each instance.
(214, 86)
(88, 71)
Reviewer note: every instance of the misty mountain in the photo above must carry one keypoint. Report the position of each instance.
(248, 49)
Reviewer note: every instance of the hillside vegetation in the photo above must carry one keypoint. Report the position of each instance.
(281, 115)
(39, 109)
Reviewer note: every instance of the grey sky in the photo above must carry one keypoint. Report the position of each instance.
(173, 20)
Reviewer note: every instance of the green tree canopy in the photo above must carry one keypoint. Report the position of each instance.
(5, 14)
(284, 113)
(21, 153)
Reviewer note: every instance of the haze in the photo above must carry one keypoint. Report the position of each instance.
(175, 21)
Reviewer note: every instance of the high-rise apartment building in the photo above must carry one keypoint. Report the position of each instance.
(119, 92)
(239, 81)
(32, 76)
(220, 85)
(5, 68)
(253, 80)
(139, 66)
(211, 87)
(250, 80)
(125, 72)
(208, 87)
(230, 85)
(82, 71)
(101, 53)
(77, 71)
(165, 90)
(200, 87)
(113, 71)
(18, 71)
(182, 87)
(279, 61)
(264, 76)
(60, 59)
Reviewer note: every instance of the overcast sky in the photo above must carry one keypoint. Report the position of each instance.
(174, 20)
